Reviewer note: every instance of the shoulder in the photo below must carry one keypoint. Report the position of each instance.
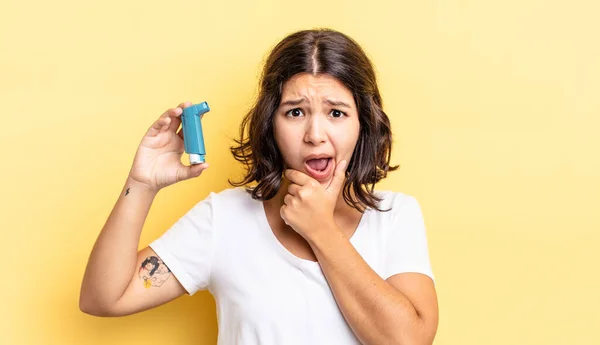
(222, 204)
(397, 206)
(395, 200)
(230, 198)
(231, 193)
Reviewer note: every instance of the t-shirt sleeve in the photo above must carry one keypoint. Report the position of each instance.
(187, 247)
(406, 245)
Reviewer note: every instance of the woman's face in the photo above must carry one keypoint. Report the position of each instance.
(316, 125)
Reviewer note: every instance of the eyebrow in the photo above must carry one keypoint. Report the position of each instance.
(302, 100)
(293, 101)
(337, 103)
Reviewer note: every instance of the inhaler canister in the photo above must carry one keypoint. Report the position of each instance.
(193, 139)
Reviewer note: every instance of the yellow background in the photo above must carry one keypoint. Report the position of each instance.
(495, 108)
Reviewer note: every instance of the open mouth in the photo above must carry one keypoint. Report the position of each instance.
(319, 168)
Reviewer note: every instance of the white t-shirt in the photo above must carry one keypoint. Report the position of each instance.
(265, 294)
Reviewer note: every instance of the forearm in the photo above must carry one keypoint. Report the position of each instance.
(377, 312)
(113, 258)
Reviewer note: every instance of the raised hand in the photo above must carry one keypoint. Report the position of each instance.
(157, 163)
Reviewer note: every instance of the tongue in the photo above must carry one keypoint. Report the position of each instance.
(318, 164)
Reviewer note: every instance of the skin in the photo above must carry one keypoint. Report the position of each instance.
(315, 126)
(311, 219)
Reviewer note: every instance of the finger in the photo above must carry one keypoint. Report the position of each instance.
(191, 171)
(181, 106)
(184, 105)
(169, 112)
(293, 189)
(158, 126)
(176, 114)
(287, 200)
(339, 176)
(297, 177)
(282, 214)
(180, 133)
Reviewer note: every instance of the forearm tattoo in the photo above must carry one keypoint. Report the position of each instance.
(153, 272)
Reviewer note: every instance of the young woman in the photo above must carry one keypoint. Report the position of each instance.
(303, 250)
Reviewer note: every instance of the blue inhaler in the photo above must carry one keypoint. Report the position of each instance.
(193, 139)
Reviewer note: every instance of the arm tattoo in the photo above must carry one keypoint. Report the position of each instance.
(153, 272)
(127, 191)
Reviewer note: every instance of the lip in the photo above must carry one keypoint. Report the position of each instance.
(321, 176)
(317, 156)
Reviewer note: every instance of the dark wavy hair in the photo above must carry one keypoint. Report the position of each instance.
(318, 51)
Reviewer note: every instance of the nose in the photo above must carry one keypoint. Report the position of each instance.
(314, 132)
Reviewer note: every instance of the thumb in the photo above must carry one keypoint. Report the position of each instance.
(191, 171)
(339, 176)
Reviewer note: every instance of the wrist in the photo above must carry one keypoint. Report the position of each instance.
(132, 184)
(327, 233)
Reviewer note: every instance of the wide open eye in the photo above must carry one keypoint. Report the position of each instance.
(337, 113)
(294, 112)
